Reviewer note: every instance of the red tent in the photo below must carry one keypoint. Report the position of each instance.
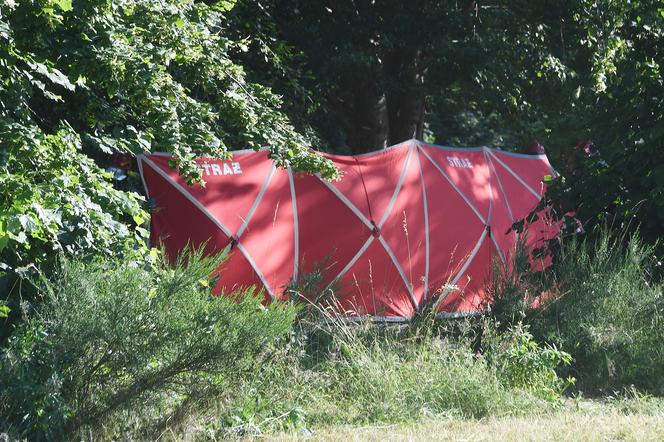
(404, 225)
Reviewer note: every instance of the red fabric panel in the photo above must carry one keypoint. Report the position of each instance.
(174, 214)
(502, 219)
(378, 173)
(531, 169)
(177, 223)
(269, 237)
(537, 234)
(469, 292)
(374, 287)
(454, 229)
(237, 273)
(469, 171)
(228, 197)
(330, 234)
(404, 230)
(520, 199)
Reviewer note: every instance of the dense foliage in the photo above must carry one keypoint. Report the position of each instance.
(610, 314)
(601, 301)
(109, 335)
(84, 80)
(117, 348)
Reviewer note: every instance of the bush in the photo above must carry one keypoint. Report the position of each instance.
(54, 199)
(609, 313)
(111, 336)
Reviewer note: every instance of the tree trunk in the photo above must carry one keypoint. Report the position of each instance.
(368, 122)
(389, 113)
(406, 100)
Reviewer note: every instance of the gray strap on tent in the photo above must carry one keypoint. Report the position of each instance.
(375, 231)
(233, 240)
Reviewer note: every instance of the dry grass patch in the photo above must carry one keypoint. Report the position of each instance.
(567, 426)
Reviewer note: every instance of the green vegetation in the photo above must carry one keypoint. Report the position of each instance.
(361, 373)
(603, 303)
(142, 347)
(111, 340)
(610, 313)
(100, 336)
(109, 336)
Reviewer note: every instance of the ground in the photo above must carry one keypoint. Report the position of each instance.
(588, 422)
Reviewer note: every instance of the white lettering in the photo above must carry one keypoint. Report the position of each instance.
(460, 162)
(220, 169)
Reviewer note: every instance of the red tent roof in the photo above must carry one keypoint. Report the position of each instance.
(404, 225)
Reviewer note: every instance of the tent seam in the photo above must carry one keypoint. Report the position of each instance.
(463, 269)
(347, 202)
(352, 262)
(397, 189)
(257, 201)
(426, 223)
(442, 172)
(530, 189)
(296, 227)
(140, 159)
(390, 253)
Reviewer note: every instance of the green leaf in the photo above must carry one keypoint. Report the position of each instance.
(225, 5)
(64, 5)
(52, 74)
(4, 309)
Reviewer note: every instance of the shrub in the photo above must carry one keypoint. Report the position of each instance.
(54, 199)
(609, 313)
(111, 336)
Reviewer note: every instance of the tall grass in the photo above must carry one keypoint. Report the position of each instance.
(609, 313)
(601, 303)
(139, 348)
(339, 372)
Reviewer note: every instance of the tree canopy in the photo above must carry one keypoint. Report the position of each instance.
(85, 80)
